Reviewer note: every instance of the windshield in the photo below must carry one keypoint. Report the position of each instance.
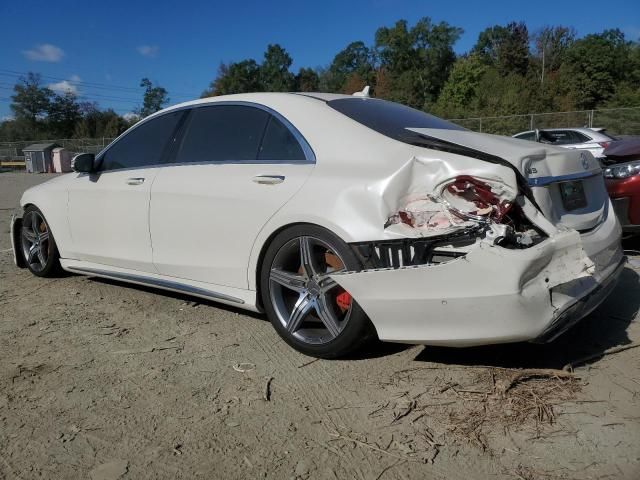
(389, 118)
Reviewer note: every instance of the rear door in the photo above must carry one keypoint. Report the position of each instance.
(109, 210)
(234, 167)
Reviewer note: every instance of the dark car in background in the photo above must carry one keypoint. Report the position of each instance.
(622, 177)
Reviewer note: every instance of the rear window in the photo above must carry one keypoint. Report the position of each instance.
(389, 118)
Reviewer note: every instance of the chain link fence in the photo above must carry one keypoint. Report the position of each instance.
(12, 151)
(617, 121)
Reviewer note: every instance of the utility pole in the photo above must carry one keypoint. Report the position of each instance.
(542, 76)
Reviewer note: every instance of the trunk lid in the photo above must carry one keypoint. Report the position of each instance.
(567, 184)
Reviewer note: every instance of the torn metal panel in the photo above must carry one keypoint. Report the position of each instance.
(429, 197)
(405, 252)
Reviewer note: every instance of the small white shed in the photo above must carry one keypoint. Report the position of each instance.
(62, 160)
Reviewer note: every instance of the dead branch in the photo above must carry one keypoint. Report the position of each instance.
(267, 389)
(386, 469)
(570, 366)
(370, 446)
(523, 375)
(406, 412)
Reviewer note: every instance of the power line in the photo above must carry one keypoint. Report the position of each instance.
(93, 85)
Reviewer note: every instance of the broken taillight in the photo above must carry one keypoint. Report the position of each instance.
(473, 199)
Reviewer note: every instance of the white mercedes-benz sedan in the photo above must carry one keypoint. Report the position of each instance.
(341, 217)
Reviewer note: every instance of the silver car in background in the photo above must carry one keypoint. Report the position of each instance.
(595, 140)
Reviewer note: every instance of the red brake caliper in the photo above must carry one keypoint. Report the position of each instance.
(344, 301)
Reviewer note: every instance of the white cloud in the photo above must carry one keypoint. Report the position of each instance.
(66, 86)
(44, 53)
(7, 118)
(130, 116)
(150, 51)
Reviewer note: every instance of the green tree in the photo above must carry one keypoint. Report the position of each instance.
(307, 80)
(30, 101)
(238, 77)
(594, 66)
(63, 115)
(418, 59)
(356, 59)
(551, 47)
(154, 98)
(507, 48)
(460, 92)
(274, 71)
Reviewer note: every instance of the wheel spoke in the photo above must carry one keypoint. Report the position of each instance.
(29, 234)
(289, 280)
(324, 313)
(43, 236)
(33, 251)
(41, 257)
(327, 283)
(299, 312)
(306, 257)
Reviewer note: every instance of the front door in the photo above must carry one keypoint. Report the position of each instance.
(109, 210)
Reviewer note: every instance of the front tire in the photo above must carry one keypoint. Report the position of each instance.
(38, 246)
(308, 309)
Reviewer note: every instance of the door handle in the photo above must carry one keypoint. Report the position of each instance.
(268, 179)
(135, 181)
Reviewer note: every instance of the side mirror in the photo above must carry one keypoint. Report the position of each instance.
(84, 163)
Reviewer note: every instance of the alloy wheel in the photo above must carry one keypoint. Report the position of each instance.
(35, 241)
(310, 305)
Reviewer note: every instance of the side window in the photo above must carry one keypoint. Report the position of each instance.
(531, 136)
(580, 137)
(144, 145)
(279, 143)
(562, 137)
(223, 132)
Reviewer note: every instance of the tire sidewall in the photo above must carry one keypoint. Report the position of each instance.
(53, 257)
(358, 329)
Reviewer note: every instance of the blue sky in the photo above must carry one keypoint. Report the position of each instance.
(180, 44)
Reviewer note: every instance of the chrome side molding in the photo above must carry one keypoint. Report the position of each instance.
(157, 282)
(542, 181)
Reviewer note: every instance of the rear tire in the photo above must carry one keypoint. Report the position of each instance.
(309, 310)
(37, 245)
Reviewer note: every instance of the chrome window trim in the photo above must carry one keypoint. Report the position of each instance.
(157, 282)
(543, 181)
(310, 156)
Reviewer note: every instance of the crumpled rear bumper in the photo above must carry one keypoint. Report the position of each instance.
(492, 295)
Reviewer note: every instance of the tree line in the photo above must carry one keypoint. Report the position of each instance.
(509, 70)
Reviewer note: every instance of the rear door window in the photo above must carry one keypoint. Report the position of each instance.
(144, 146)
(279, 143)
(223, 133)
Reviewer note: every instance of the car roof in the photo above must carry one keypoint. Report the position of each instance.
(261, 97)
(593, 133)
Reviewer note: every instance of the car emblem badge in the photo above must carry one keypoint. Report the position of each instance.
(585, 161)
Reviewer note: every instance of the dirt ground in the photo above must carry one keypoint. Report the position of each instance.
(103, 380)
